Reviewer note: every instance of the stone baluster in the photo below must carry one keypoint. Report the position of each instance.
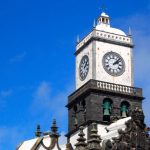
(81, 145)
(94, 142)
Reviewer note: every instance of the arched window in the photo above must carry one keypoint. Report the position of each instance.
(124, 109)
(106, 21)
(83, 103)
(103, 20)
(107, 107)
(75, 120)
(75, 108)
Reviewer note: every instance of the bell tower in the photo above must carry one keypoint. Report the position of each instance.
(104, 79)
(105, 54)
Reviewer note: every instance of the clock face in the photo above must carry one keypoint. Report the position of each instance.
(113, 64)
(84, 67)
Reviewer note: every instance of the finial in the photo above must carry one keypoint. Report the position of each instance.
(78, 39)
(81, 135)
(54, 127)
(69, 146)
(94, 142)
(130, 32)
(53, 138)
(81, 140)
(94, 24)
(38, 131)
(103, 8)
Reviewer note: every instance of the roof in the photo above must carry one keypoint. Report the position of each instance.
(107, 28)
(105, 25)
(112, 129)
(103, 14)
(30, 144)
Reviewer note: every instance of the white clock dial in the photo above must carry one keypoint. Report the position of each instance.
(84, 67)
(113, 64)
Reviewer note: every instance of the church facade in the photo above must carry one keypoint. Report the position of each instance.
(105, 110)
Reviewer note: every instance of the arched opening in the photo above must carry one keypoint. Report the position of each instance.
(107, 108)
(83, 103)
(124, 109)
(106, 21)
(75, 108)
(75, 120)
(103, 20)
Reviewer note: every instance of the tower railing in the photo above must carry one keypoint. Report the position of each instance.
(106, 87)
(119, 88)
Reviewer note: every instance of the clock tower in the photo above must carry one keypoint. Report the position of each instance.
(104, 80)
(105, 54)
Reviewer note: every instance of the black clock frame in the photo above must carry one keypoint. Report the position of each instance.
(112, 73)
(84, 57)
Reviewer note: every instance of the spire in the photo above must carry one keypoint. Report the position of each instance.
(38, 131)
(130, 35)
(53, 138)
(78, 39)
(130, 32)
(54, 127)
(81, 141)
(94, 142)
(69, 146)
(94, 24)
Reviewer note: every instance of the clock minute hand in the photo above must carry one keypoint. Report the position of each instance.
(116, 62)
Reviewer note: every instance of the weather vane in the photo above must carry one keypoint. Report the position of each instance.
(103, 8)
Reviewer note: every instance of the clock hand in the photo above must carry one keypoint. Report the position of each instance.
(116, 62)
(85, 65)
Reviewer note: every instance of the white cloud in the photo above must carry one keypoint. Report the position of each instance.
(17, 58)
(46, 100)
(42, 95)
(48, 105)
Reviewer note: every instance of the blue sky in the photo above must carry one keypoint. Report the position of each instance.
(37, 70)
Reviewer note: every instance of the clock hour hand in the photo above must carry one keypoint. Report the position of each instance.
(116, 62)
(85, 64)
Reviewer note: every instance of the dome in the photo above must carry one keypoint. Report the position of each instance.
(106, 28)
(104, 25)
(103, 14)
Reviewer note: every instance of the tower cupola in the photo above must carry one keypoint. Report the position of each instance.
(103, 24)
(104, 19)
